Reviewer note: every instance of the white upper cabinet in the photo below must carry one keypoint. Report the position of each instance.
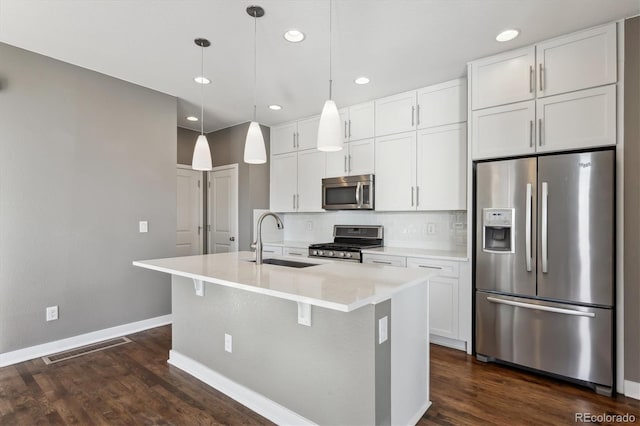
(442, 104)
(504, 131)
(356, 158)
(307, 136)
(395, 166)
(441, 180)
(283, 183)
(283, 138)
(311, 168)
(395, 114)
(360, 122)
(578, 61)
(502, 79)
(582, 119)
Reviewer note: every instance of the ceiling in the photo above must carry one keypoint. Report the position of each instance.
(399, 44)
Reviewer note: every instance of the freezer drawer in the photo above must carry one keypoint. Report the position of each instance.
(571, 341)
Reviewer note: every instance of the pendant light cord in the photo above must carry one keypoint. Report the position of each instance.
(202, 90)
(255, 62)
(330, 55)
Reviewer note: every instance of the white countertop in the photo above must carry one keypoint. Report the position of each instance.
(459, 256)
(341, 286)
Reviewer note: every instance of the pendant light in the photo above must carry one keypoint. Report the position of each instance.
(329, 129)
(254, 150)
(201, 153)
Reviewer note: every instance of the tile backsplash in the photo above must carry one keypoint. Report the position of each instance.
(442, 230)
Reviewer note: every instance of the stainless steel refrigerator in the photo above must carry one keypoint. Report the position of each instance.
(544, 264)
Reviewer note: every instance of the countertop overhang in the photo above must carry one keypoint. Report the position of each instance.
(340, 286)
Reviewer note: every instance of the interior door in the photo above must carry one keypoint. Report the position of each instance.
(223, 209)
(576, 231)
(503, 185)
(189, 211)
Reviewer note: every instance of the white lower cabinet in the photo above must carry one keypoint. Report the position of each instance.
(270, 251)
(383, 259)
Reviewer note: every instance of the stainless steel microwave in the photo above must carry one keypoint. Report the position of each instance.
(348, 193)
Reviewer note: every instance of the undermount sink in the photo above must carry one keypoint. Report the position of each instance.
(289, 263)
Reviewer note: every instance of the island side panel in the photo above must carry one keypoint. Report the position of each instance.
(410, 355)
(383, 366)
(325, 373)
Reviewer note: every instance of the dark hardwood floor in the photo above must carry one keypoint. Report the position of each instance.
(132, 384)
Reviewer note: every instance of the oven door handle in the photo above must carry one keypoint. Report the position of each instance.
(358, 188)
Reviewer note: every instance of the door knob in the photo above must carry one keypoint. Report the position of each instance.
(232, 238)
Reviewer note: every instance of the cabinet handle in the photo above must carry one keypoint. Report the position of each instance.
(540, 139)
(382, 262)
(530, 133)
(418, 114)
(541, 78)
(430, 267)
(294, 254)
(530, 78)
(298, 201)
(413, 112)
(417, 196)
(412, 196)
(349, 163)
(294, 201)
(345, 164)
(294, 139)
(297, 140)
(345, 129)
(349, 128)
(199, 228)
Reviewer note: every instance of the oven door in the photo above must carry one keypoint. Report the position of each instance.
(348, 193)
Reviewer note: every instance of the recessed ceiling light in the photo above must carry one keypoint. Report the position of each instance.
(294, 36)
(192, 118)
(202, 80)
(275, 107)
(507, 35)
(362, 80)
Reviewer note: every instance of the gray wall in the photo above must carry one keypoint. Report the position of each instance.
(632, 200)
(83, 158)
(227, 147)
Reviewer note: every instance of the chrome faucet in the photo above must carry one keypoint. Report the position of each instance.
(258, 243)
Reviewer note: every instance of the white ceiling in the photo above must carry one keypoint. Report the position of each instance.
(399, 44)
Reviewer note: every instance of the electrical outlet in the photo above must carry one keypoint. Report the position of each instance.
(309, 225)
(383, 330)
(143, 226)
(431, 228)
(228, 343)
(52, 313)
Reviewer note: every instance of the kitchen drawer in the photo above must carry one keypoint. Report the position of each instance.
(296, 251)
(269, 251)
(447, 269)
(382, 259)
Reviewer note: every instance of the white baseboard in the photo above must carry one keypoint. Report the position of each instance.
(450, 343)
(632, 389)
(416, 418)
(32, 352)
(245, 396)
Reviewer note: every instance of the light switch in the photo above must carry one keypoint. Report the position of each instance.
(383, 329)
(144, 226)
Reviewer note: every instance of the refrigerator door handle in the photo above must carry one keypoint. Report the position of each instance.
(541, 307)
(545, 227)
(528, 229)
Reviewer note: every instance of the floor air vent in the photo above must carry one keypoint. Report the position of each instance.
(84, 350)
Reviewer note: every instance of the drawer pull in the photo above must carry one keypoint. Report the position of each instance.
(430, 267)
(295, 254)
(383, 262)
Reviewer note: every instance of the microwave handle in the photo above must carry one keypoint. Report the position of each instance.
(358, 185)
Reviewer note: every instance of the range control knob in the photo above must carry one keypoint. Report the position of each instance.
(341, 254)
(314, 252)
(349, 255)
(330, 253)
(320, 252)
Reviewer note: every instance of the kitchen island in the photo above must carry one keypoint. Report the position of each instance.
(333, 343)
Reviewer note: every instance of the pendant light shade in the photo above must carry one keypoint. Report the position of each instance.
(329, 129)
(254, 150)
(201, 153)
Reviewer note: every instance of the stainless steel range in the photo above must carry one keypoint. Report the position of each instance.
(348, 242)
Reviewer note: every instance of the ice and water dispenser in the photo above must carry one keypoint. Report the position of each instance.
(498, 233)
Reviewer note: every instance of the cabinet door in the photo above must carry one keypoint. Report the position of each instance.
(337, 162)
(503, 131)
(503, 79)
(361, 157)
(395, 114)
(361, 121)
(311, 165)
(443, 307)
(283, 138)
(577, 61)
(442, 168)
(308, 133)
(576, 120)
(395, 164)
(271, 251)
(283, 184)
(442, 104)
